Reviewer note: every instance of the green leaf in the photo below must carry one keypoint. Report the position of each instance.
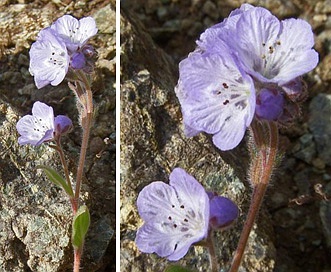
(176, 268)
(57, 179)
(80, 225)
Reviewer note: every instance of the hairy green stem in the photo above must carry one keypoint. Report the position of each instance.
(86, 122)
(84, 94)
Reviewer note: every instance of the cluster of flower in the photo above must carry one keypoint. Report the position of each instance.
(179, 214)
(60, 47)
(248, 65)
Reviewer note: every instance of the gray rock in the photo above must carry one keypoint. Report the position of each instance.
(320, 125)
(153, 143)
(306, 148)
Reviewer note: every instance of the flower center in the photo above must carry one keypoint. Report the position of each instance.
(40, 126)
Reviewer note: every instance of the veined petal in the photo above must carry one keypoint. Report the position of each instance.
(216, 97)
(44, 114)
(213, 39)
(257, 34)
(75, 32)
(293, 55)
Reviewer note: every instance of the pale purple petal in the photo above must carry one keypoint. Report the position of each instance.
(49, 60)
(293, 56)
(213, 39)
(75, 33)
(256, 36)
(38, 127)
(272, 50)
(216, 97)
(175, 215)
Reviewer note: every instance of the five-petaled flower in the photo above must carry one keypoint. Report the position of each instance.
(178, 215)
(248, 65)
(41, 126)
(60, 47)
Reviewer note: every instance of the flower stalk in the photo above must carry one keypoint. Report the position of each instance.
(264, 154)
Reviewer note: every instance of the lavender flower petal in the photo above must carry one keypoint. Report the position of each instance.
(216, 97)
(78, 61)
(213, 38)
(73, 32)
(294, 56)
(272, 50)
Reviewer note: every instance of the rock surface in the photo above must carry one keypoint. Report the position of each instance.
(153, 143)
(35, 226)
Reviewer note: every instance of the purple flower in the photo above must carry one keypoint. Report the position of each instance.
(49, 59)
(62, 46)
(223, 212)
(272, 50)
(216, 97)
(223, 83)
(175, 215)
(73, 32)
(41, 126)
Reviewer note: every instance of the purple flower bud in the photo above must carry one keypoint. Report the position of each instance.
(63, 124)
(78, 61)
(223, 212)
(89, 51)
(269, 104)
